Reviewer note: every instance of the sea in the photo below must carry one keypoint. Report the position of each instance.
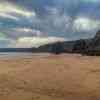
(22, 55)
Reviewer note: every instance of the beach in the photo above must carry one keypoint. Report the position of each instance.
(50, 77)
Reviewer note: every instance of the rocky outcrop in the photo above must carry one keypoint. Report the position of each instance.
(84, 46)
(94, 46)
(89, 46)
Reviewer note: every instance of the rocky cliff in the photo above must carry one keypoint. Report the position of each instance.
(84, 46)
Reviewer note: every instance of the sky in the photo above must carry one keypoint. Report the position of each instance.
(45, 20)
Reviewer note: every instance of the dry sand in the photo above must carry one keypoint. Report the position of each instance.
(62, 77)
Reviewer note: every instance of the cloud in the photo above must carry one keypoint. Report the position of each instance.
(27, 42)
(23, 32)
(11, 8)
(8, 16)
(93, 1)
(12, 15)
(82, 24)
(13, 18)
(54, 23)
(6, 42)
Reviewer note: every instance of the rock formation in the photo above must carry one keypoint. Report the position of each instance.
(94, 45)
(83, 46)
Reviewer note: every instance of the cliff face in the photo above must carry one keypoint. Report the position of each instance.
(88, 46)
(94, 45)
(83, 46)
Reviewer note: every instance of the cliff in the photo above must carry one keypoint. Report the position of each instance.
(83, 46)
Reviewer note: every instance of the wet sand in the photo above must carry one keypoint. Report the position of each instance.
(62, 77)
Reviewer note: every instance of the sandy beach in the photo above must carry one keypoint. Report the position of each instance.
(61, 77)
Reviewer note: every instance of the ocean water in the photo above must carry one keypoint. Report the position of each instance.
(23, 55)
